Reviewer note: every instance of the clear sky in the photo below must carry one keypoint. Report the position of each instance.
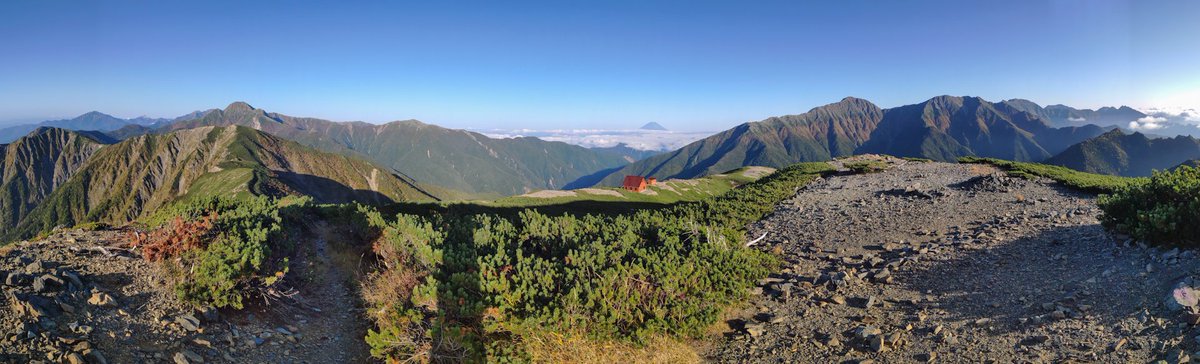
(689, 65)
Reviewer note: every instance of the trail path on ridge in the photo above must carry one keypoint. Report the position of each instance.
(954, 263)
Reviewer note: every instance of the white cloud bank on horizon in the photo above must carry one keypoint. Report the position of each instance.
(1148, 123)
(1178, 115)
(657, 140)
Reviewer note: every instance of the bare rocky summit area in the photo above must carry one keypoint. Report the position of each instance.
(78, 297)
(938, 262)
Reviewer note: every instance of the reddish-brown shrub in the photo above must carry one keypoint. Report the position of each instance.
(173, 238)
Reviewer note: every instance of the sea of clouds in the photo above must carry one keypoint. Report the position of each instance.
(641, 139)
(1168, 121)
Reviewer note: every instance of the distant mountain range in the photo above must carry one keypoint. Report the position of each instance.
(942, 128)
(455, 159)
(1123, 154)
(1062, 115)
(119, 182)
(94, 120)
(464, 164)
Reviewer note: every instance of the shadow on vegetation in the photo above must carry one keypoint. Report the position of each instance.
(591, 179)
(325, 190)
(578, 208)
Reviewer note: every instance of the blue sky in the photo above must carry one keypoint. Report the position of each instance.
(689, 65)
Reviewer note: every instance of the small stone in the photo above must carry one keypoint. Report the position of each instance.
(1120, 344)
(838, 300)
(46, 283)
(983, 321)
(16, 279)
(755, 330)
(187, 357)
(877, 344)
(188, 322)
(75, 358)
(833, 342)
(1058, 314)
(73, 279)
(865, 332)
(94, 356)
(102, 299)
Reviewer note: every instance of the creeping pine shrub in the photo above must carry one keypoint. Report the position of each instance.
(227, 248)
(469, 288)
(1083, 181)
(402, 295)
(867, 166)
(1165, 210)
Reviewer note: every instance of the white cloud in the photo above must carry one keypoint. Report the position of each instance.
(591, 138)
(1075, 119)
(1148, 123)
(1176, 115)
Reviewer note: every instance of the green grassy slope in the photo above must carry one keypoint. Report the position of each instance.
(125, 180)
(663, 192)
(455, 159)
(1091, 182)
(35, 165)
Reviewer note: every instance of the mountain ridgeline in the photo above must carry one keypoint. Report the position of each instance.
(35, 165)
(123, 181)
(455, 159)
(1117, 153)
(1062, 115)
(943, 128)
(95, 121)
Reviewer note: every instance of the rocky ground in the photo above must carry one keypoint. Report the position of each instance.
(76, 297)
(936, 262)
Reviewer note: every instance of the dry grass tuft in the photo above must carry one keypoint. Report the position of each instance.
(550, 347)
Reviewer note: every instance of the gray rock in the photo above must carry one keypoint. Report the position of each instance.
(866, 332)
(103, 300)
(188, 322)
(94, 356)
(877, 344)
(73, 279)
(75, 358)
(16, 279)
(755, 330)
(46, 283)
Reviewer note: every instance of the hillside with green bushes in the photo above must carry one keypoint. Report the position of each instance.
(124, 181)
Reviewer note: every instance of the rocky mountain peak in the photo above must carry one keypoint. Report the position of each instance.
(239, 106)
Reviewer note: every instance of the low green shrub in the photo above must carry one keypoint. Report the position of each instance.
(1165, 210)
(867, 166)
(469, 287)
(1088, 182)
(244, 252)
